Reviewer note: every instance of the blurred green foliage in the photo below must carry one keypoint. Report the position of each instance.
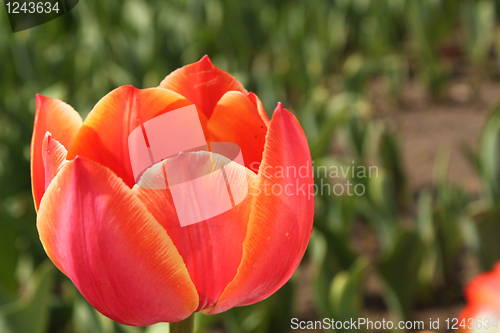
(316, 57)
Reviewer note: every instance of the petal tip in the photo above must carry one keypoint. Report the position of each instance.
(252, 97)
(205, 60)
(78, 160)
(47, 138)
(279, 110)
(129, 88)
(39, 100)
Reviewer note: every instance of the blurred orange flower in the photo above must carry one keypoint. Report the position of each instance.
(483, 303)
(122, 245)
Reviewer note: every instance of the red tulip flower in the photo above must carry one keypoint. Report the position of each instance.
(122, 245)
(482, 312)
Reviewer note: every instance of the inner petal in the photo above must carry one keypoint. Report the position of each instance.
(104, 135)
(236, 118)
(211, 248)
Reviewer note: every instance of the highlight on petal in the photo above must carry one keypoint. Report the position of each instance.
(200, 187)
(103, 136)
(281, 216)
(236, 119)
(202, 83)
(212, 249)
(53, 156)
(104, 239)
(63, 122)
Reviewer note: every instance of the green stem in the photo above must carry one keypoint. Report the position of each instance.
(184, 326)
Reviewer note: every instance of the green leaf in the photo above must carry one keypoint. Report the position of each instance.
(398, 269)
(490, 158)
(428, 235)
(8, 258)
(158, 328)
(330, 254)
(346, 292)
(86, 319)
(30, 314)
(488, 229)
(450, 205)
(478, 19)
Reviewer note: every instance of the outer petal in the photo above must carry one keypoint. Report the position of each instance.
(104, 135)
(281, 216)
(236, 119)
(104, 239)
(63, 122)
(211, 249)
(202, 83)
(53, 156)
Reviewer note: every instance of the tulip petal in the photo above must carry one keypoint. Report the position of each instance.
(202, 83)
(104, 239)
(104, 135)
(482, 295)
(63, 122)
(236, 119)
(281, 216)
(53, 156)
(484, 289)
(211, 249)
(262, 112)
